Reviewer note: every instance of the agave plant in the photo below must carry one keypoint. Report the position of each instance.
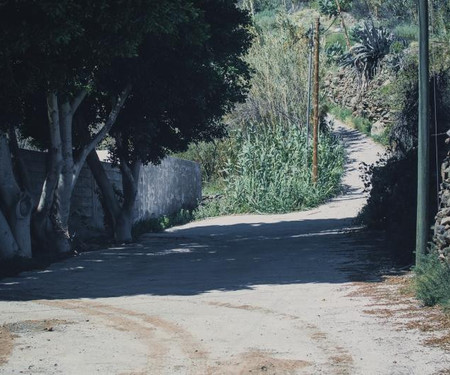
(366, 55)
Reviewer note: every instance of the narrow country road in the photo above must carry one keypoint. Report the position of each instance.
(259, 294)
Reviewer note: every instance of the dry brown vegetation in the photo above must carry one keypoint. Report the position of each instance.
(393, 300)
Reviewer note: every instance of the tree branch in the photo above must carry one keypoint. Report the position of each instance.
(21, 168)
(101, 134)
(65, 125)
(78, 100)
(55, 154)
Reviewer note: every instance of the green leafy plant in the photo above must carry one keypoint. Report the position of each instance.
(329, 7)
(334, 52)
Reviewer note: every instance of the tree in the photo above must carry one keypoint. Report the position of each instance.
(58, 49)
(183, 85)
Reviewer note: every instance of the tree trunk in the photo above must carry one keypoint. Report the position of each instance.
(15, 204)
(51, 221)
(124, 224)
(110, 204)
(44, 222)
(121, 217)
(8, 245)
(66, 181)
(130, 180)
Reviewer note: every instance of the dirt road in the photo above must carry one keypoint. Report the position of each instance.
(278, 294)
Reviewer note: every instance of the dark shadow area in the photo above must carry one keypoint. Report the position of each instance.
(198, 260)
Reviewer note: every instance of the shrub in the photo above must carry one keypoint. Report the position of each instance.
(334, 52)
(432, 281)
(156, 225)
(211, 156)
(217, 206)
(280, 75)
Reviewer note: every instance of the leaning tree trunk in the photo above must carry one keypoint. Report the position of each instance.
(16, 206)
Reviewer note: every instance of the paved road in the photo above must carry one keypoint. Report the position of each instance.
(272, 294)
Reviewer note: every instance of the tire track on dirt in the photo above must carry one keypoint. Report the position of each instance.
(340, 359)
(131, 321)
(191, 347)
(156, 350)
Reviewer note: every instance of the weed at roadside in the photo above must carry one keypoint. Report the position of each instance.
(155, 225)
(432, 281)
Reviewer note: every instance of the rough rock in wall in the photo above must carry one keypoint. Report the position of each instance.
(441, 237)
(369, 101)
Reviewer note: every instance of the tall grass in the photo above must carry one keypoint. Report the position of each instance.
(273, 175)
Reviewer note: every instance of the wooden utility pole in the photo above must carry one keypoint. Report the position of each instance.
(310, 73)
(423, 155)
(316, 100)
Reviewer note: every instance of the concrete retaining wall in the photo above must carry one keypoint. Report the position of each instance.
(163, 189)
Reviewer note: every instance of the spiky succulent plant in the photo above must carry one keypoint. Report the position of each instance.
(373, 44)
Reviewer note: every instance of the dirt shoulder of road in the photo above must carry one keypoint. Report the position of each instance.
(6, 344)
(393, 300)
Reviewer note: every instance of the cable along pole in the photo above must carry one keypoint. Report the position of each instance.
(316, 101)
(423, 154)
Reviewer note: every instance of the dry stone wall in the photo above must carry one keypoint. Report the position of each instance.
(163, 189)
(370, 102)
(441, 238)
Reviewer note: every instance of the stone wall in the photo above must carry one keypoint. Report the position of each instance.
(163, 189)
(370, 102)
(441, 238)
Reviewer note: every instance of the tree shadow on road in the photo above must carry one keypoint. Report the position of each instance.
(214, 257)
